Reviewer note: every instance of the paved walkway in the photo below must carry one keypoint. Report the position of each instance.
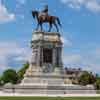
(66, 95)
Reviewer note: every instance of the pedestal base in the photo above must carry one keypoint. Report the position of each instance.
(47, 84)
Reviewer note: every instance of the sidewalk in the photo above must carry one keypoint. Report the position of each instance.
(41, 95)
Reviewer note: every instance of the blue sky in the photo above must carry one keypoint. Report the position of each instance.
(80, 31)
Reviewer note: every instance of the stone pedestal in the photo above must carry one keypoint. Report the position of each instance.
(45, 74)
(46, 52)
(46, 62)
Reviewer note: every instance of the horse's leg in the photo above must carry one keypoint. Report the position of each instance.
(56, 27)
(37, 26)
(41, 26)
(50, 26)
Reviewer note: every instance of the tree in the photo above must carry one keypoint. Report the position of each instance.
(92, 78)
(22, 71)
(87, 78)
(10, 75)
(97, 83)
(1, 81)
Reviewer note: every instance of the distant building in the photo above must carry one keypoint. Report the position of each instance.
(73, 75)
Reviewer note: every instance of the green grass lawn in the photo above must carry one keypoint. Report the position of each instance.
(49, 98)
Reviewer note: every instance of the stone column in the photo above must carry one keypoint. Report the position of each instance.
(54, 57)
(38, 56)
(60, 57)
(34, 56)
(57, 57)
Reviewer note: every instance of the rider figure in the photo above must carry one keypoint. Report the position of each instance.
(44, 12)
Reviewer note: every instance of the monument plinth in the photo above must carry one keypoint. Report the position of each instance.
(46, 51)
(46, 61)
(45, 74)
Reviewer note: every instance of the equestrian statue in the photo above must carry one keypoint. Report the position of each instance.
(44, 17)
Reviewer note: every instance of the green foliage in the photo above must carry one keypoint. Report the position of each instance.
(22, 71)
(1, 83)
(10, 75)
(97, 83)
(87, 78)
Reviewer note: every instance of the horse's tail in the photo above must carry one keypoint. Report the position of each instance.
(58, 21)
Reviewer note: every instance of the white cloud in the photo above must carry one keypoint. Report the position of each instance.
(97, 52)
(71, 58)
(91, 5)
(95, 68)
(0, 1)
(66, 42)
(5, 16)
(21, 1)
(92, 59)
(9, 49)
(87, 61)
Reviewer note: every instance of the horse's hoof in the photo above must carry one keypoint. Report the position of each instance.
(49, 31)
(36, 29)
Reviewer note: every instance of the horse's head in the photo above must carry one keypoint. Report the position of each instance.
(34, 13)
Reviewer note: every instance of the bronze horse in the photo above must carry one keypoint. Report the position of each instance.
(46, 19)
